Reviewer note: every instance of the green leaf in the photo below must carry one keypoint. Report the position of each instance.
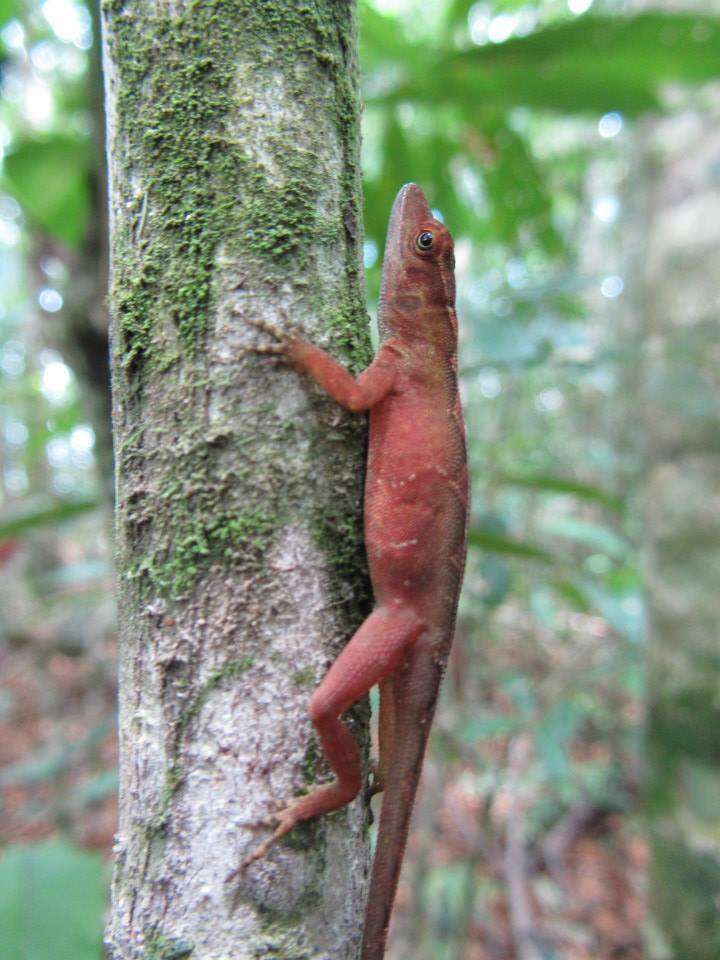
(457, 12)
(49, 178)
(382, 38)
(593, 534)
(593, 63)
(520, 198)
(499, 543)
(52, 898)
(572, 594)
(8, 10)
(14, 526)
(584, 491)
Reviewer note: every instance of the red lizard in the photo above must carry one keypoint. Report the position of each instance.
(416, 502)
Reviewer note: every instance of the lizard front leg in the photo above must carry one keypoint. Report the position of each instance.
(355, 394)
(374, 654)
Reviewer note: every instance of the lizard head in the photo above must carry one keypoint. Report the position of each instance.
(418, 278)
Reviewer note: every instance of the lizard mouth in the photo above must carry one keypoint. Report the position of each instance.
(409, 211)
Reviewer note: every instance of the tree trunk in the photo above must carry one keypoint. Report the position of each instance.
(233, 156)
(674, 289)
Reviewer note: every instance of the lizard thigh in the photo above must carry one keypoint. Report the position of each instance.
(374, 654)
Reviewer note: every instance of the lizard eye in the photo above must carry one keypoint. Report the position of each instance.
(424, 240)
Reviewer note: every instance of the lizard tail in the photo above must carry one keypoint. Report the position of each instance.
(385, 874)
(411, 728)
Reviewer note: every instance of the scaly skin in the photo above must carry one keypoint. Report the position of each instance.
(416, 501)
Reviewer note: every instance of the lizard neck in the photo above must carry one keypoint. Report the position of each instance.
(419, 327)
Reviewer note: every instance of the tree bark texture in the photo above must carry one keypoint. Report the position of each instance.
(234, 194)
(674, 291)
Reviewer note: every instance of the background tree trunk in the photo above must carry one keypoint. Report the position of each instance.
(233, 155)
(675, 238)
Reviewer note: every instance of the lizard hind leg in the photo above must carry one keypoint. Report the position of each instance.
(372, 656)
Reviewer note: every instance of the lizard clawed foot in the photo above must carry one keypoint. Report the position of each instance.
(283, 338)
(272, 353)
(266, 326)
(283, 821)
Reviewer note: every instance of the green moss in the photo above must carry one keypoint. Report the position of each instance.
(201, 539)
(279, 937)
(352, 341)
(195, 187)
(280, 945)
(310, 761)
(173, 782)
(167, 948)
(304, 677)
(192, 523)
(174, 119)
(279, 218)
(340, 536)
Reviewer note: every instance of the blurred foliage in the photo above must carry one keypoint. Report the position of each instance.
(8, 9)
(44, 516)
(446, 109)
(48, 176)
(588, 64)
(52, 897)
(513, 117)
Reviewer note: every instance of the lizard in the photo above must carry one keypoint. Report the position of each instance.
(415, 520)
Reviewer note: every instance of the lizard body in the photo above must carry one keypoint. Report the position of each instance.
(416, 500)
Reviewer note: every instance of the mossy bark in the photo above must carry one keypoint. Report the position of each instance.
(233, 155)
